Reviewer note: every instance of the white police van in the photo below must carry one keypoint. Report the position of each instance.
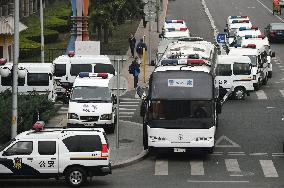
(32, 77)
(174, 29)
(67, 67)
(234, 71)
(75, 154)
(259, 62)
(91, 103)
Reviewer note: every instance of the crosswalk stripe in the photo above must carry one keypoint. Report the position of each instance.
(125, 109)
(197, 168)
(125, 116)
(64, 108)
(129, 102)
(128, 105)
(282, 92)
(261, 94)
(161, 167)
(61, 112)
(268, 168)
(126, 113)
(233, 167)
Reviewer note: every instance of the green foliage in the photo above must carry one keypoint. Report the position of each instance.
(57, 24)
(28, 107)
(34, 35)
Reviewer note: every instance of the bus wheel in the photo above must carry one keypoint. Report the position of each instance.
(239, 93)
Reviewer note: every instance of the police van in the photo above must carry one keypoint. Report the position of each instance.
(260, 41)
(234, 71)
(259, 62)
(91, 103)
(32, 77)
(75, 154)
(174, 29)
(67, 67)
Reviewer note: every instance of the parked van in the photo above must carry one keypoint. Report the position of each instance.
(234, 71)
(31, 77)
(67, 67)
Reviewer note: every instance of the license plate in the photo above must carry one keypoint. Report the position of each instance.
(179, 150)
(279, 33)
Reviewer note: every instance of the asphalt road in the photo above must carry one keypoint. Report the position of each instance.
(250, 134)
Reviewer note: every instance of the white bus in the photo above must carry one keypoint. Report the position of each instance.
(32, 77)
(180, 110)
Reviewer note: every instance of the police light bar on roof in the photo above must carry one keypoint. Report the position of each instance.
(71, 53)
(234, 17)
(250, 46)
(176, 29)
(38, 126)
(240, 21)
(254, 36)
(195, 61)
(88, 74)
(174, 21)
(248, 28)
(3, 61)
(165, 62)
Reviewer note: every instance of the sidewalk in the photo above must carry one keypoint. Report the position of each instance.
(130, 133)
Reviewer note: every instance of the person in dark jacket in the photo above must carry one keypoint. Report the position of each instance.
(134, 69)
(132, 43)
(139, 48)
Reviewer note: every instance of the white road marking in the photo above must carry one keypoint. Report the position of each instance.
(134, 102)
(130, 99)
(130, 105)
(269, 10)
(61, 112)
(233, 167)
(161, 167)
(257, 154)
(125, 109)
(126, 113)
(226, 139)
(261, 95)
(282, 92)
(270, 107)
(236, 154)
(197, 168)
(200, 181)
(268, 168)
(125, 116)
(64, 108)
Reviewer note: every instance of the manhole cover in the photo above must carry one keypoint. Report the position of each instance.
(125, 140)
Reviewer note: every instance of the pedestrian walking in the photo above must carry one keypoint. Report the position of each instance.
(134, 69)
(139, 49)
(132, 43)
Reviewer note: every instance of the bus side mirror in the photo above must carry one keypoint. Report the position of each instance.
(272, 54)
(219, 107)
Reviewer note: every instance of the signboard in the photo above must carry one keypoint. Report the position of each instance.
(87, 47)
(123, 85)
(180, 82)
(221, 38)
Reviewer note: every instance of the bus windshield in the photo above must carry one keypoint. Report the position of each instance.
(182, 114)
(91, 94)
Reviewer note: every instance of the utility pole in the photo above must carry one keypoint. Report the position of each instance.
(158, 15)
(118, 101)
(41, 32)
(15, 71)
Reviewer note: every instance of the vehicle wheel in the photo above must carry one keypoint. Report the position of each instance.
(264, 82)
(210, 150)
(269, 74)
(239, 93)
(75, 176)
(256, 88)
(111, 128)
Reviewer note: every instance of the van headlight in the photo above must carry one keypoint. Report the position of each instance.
(106, 117)
(73, 116)
(203, 138)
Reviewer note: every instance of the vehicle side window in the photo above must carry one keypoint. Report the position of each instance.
(47, 147)
(77, 68)
(223, 70)
(83, 143)
(21, 148)
(241, 69)
(104, 68)
(60, 70)
(38, 79)
(7, 81)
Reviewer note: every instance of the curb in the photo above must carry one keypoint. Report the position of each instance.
(131, 161)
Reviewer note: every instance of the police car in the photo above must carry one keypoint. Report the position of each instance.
(53, 153)
(234, 71)
(91, 103)
(174, 29)
(67, 67)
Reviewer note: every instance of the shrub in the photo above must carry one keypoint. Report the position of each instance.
(28, 107)
(28, 48)
(34, 35)
(57, 24)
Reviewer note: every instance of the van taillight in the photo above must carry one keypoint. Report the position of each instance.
(104, 152)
